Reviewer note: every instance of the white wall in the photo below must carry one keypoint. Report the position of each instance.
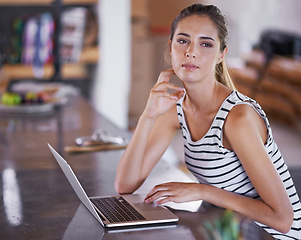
(111, 85)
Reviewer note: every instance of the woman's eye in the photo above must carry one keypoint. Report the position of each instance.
(207, 45)
(182, 41)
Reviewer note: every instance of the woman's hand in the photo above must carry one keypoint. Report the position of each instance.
(152, 135)
(174, 192)
(160, 101)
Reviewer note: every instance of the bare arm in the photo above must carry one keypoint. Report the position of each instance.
(156, 128)
(273, 209)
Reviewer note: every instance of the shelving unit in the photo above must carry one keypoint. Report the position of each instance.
(69, 70)
(66, 71)
(44, 2)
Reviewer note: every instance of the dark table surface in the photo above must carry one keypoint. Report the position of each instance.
(37, 201)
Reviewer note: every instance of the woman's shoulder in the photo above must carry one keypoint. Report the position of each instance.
(241, 113)
(243, 109)
(241, 119)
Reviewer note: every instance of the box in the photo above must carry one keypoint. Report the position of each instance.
(140, 8)
(163, 12)
(142, 78)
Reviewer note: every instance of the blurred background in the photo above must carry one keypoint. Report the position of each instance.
(113, 52)
(273, 85)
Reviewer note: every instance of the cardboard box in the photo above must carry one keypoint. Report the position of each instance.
(163, 12)
(142, 78)
(140, 8)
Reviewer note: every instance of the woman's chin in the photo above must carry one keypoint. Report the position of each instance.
(186, 76)
(188, 79)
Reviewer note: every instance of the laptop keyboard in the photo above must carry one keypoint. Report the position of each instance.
(117, 209)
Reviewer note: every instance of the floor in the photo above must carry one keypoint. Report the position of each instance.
(288, 140)
(289, 143)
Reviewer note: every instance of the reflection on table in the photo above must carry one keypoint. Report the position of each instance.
(37, 201)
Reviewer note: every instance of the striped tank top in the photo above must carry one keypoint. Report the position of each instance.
(211, 163)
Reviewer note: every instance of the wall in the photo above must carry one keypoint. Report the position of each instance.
(247, 19)
(111, 85)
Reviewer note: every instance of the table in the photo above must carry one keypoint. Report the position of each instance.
(37, 201)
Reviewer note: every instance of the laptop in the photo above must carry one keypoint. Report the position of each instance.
(119, 211)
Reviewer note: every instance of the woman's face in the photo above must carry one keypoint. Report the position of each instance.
(195, 49)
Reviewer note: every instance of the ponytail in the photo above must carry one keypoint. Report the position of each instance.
(222, 75)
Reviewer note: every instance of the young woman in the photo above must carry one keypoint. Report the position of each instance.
(228, 141)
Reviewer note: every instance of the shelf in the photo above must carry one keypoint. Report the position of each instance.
(45, 2)
(69, 70)
(25, 2)
(89, 55)
(79, 1)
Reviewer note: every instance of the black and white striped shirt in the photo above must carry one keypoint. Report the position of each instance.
(211, 163)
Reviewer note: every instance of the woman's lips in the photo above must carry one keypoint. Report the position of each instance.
(189, 66)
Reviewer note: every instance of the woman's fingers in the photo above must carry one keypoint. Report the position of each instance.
(160, 191)
(164, 86)
(165, 94)
(160, 90)
(158, 196)
(162, 96)
(165, 75)
(167, 85)
(178, 94)
(174, 192)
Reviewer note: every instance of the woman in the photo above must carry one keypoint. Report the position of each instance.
(228, 142)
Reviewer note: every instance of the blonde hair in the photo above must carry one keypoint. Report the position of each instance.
(222, 75)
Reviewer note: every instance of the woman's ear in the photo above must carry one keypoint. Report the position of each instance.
(223, 54)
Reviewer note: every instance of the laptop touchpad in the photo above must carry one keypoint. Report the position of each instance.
(147, 206)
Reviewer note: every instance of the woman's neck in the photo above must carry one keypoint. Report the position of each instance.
(202, 97)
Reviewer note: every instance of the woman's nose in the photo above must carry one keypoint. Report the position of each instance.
(190, 53)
